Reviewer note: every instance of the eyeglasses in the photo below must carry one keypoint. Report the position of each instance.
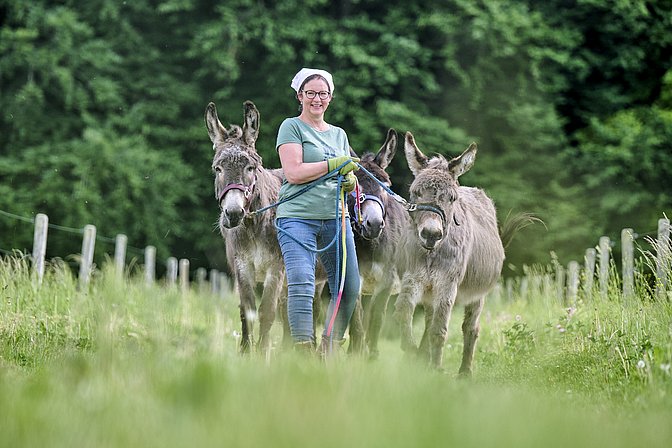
(310, 94)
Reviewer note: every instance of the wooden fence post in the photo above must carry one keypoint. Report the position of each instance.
(214, 282)
(572, 282)
(524, 288)
(662, 256)
(628, 259)
(547, 287)
(604, 248)
(201, 273)
(150, 264)
(88, 247)
(120, 243)
(184, 275)
(40, 245)
(589, 273)
(536, 286)
(223, 285)
(560, 282)
(171, 271)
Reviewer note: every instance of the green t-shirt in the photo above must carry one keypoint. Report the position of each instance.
(320, 201)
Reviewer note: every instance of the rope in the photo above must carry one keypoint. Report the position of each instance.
(340, 230)
(303, 190)
(343, 270)
(394, 195)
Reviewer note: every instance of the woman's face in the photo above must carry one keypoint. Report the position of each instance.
(316, 105)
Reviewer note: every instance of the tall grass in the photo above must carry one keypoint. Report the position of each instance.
(124, 364)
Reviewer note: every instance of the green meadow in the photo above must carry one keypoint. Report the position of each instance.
(129, 365)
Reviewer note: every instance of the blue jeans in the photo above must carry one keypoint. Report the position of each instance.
(300, 267)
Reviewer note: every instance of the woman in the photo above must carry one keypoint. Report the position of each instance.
(309, 148)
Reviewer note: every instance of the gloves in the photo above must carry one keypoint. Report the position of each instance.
(350, 182)
(335, 162)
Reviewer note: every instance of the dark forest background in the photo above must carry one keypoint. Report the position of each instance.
(102, 102)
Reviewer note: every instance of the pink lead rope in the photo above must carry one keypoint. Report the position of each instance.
(342, 283)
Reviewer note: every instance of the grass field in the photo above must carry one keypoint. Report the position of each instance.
(126, 365)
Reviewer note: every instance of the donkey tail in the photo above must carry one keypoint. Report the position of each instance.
(512, 224)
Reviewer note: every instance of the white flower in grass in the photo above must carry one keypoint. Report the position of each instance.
(251, 315)
(641, 364)
(665, 368)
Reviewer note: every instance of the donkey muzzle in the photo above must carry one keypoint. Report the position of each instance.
(430, 236)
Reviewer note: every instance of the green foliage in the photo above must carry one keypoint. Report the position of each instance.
(552, 93)
(117, 183)
(625, 163)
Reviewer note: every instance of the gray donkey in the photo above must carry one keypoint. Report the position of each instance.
(378, 225)
(242, 184)
(453, 255)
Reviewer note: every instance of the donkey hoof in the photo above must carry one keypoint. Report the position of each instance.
(464, 374)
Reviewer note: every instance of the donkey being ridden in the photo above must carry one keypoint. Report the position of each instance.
(243, 184)
(453, 255)
(378, 225)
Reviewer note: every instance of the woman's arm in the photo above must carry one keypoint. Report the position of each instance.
(296, 170)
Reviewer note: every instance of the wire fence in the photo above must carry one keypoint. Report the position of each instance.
(176, 270)
(645, 268)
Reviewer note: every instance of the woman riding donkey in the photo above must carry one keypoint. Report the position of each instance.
(308, 224)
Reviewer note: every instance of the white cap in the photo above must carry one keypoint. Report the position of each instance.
(306, 72)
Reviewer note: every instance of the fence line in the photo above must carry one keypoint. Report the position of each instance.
(567, 282)
(571, 282)
(90, 236)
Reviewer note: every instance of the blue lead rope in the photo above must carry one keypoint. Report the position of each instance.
(338, 217)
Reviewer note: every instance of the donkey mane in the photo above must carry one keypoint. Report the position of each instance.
(235, 131)
(231, 152)
(437, 162)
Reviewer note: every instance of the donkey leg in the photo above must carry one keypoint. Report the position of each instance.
(268, 308)
(247, 312)
(403, 313)
(423, 350)
(470, 331)
(356, 328)
(377, 316)
(284, 318)
(443, 306)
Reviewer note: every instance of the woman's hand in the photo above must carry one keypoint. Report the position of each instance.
(350, 182)
(336, 162)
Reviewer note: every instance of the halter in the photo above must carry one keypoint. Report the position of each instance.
(359, 200)
(413, 207)
(246, 189)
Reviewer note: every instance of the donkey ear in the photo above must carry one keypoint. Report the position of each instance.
(251, 123)
(386, 152)
(460, 165)
(417, 161)
(216, 131)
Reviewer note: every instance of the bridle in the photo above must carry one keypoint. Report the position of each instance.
(359, 201)
(246, 189)
(413, 207)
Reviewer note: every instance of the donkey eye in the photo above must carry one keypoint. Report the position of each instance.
(217, 169)
(250, 169)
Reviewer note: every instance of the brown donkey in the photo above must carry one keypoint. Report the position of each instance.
(242, 184)
(453, 255)
(378, 225)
